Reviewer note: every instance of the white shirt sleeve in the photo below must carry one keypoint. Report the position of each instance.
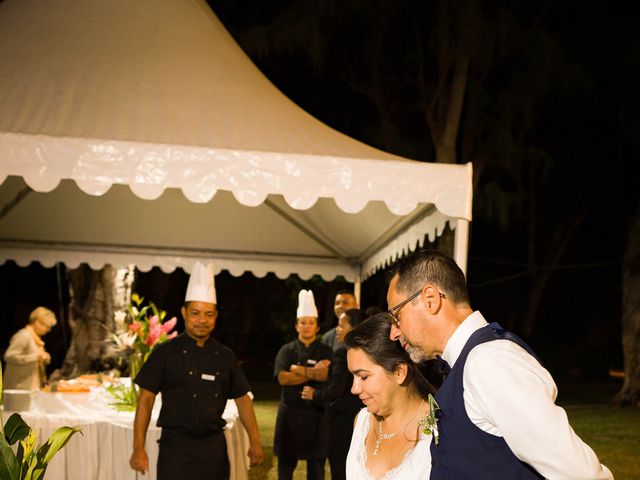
(508, 393)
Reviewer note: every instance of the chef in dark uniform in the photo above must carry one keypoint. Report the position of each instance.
(196, 375)
(342, 406)
(301, 431)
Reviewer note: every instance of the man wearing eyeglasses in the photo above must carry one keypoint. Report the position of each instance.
(498, 417)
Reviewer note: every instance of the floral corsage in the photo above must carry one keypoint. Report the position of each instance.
(429, 424)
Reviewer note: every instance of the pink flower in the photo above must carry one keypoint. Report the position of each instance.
(168, 326)
(134, 327)
(153, 321)
(154, 334)
(172, 335)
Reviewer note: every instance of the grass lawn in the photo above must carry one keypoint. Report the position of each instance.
(614, 434)
(266, 412)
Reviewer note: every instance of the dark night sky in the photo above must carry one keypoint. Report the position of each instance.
(555, 85)
(575, 77)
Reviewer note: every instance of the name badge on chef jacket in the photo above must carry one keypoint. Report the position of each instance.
(206, 376)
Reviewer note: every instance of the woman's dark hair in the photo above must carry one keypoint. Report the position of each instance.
(354, 316)
(372, 310)
(372, 337)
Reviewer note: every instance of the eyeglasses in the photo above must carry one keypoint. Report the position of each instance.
(391, 314)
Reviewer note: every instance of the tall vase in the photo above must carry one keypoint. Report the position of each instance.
(135, 363)
(126, 393)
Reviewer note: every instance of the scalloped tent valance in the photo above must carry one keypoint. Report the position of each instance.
(139, 132)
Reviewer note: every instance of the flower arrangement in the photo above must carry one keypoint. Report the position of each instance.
(429, 424)
(145, 331)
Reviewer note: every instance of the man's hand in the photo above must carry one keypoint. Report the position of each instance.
(140, 461)
(322, 363)
(319, 372)
(256, 455)
(249, 422)
(307, 393)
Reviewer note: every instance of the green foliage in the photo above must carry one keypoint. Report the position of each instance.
(28, 462)
(126, 397)
(429, 424)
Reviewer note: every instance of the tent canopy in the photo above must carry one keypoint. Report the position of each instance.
(139, 132)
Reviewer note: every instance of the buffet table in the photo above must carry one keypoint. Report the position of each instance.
(102, 451)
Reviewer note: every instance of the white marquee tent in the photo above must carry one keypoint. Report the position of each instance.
(139, 132)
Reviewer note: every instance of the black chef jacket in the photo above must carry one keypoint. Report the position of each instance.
(195, 383)
(301, 430)
(295, 353)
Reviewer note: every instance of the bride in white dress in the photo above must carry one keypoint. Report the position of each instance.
(388, 441)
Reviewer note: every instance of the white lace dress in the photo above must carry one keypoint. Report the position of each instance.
(416, 463)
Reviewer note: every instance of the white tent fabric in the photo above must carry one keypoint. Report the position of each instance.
(182, 150)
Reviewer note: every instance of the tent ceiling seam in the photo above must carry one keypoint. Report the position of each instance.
(10, 205)
(309, 233)
(396, 229)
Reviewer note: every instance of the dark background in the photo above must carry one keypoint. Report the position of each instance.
(549, 121)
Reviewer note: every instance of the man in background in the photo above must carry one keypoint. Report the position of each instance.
(345, 300)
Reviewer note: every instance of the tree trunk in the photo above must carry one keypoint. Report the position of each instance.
(629, 395)
(90, 318)
(446, 142)
(540, 278)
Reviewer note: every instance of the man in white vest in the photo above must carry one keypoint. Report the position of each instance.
(196, 375)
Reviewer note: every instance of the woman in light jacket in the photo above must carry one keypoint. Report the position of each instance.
(26, 357)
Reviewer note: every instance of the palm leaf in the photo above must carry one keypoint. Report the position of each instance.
(55, 442)
(15, 429)
(9, 466)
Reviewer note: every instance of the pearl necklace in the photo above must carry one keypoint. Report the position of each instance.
(387, 436)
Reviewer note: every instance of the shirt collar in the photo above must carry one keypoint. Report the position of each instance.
(300, 344)
(188, 340)
(459, 338)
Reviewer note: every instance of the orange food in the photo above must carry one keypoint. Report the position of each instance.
(64, 386)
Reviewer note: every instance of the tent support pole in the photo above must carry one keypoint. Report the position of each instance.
(461, 244)
(357, 287)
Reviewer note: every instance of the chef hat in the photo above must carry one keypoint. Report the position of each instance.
(201, 286)
(306, 305)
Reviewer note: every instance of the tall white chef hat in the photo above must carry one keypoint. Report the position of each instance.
(202, 287)
(306, 305)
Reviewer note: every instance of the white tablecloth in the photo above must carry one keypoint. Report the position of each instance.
(102, 451)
